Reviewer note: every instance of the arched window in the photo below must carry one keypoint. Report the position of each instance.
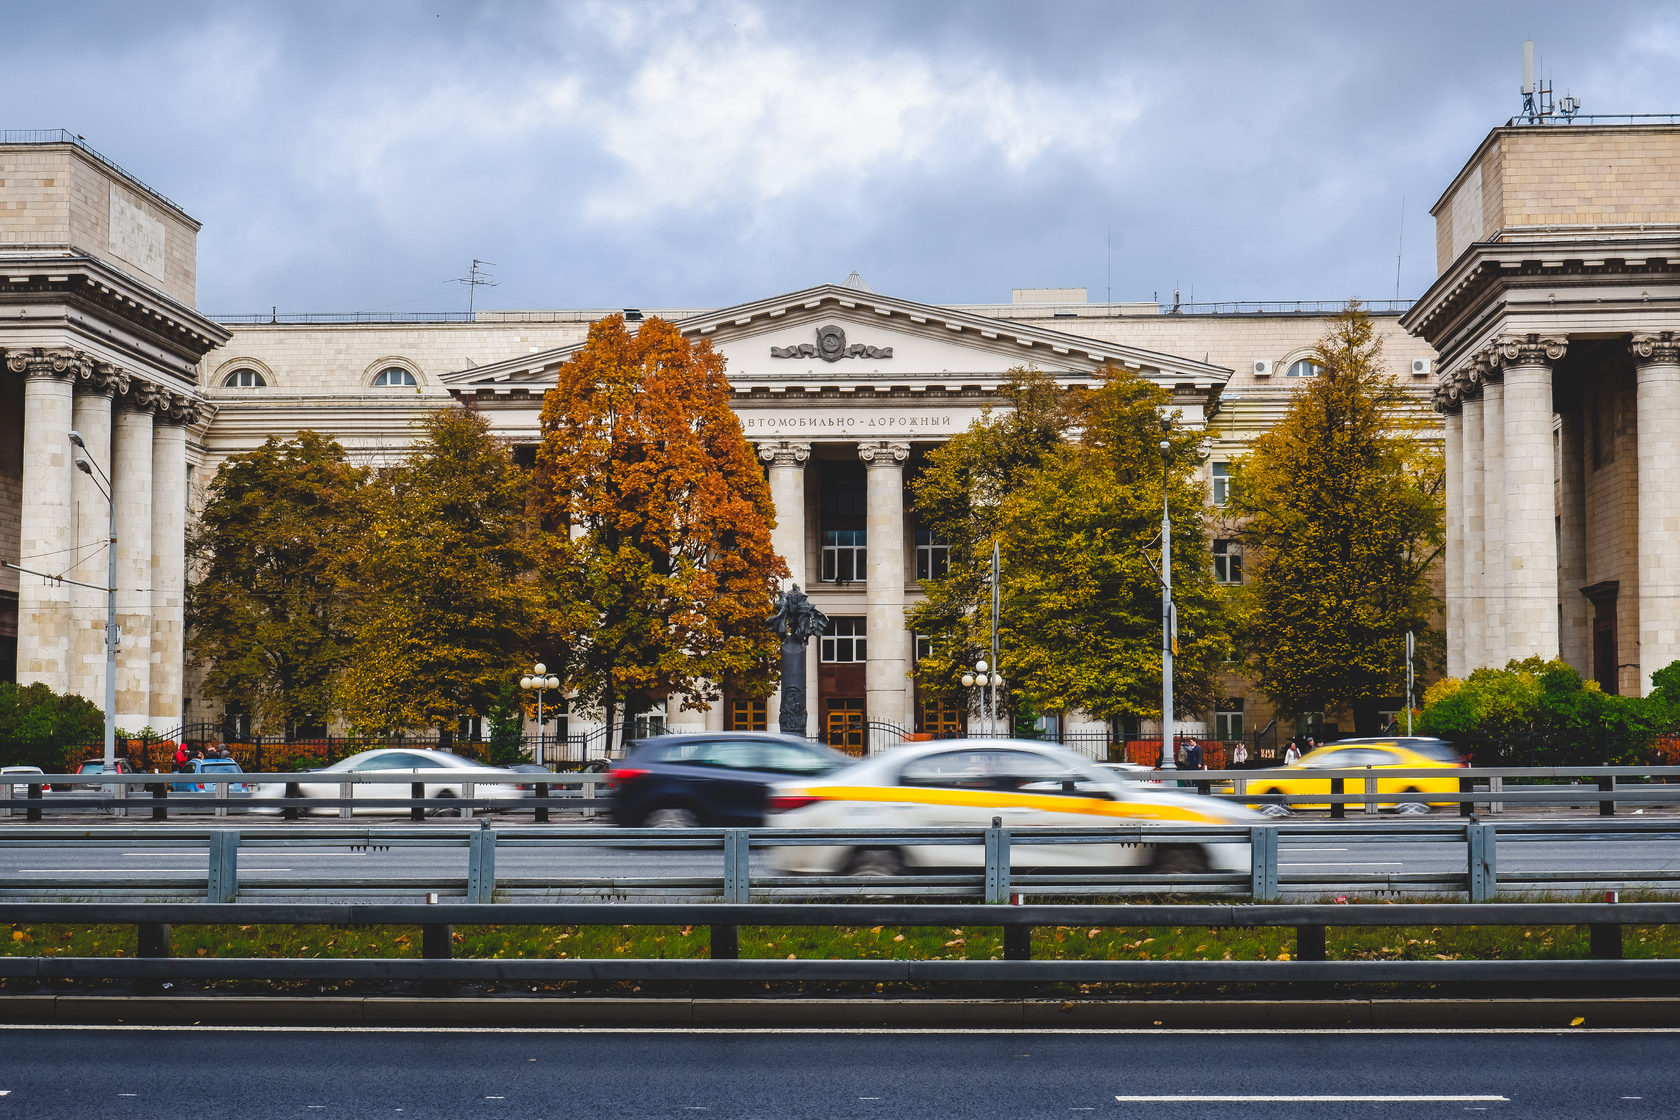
(244, 379)
(395, 377)
(1306, 367)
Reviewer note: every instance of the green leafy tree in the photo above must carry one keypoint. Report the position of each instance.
(266, 614)
(1339, 508)
(1070, 487)
(658, 518)
(447, 604)
(506, 720)
(40, 727)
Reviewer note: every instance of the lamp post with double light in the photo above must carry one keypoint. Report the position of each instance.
(539, 682)
(102, 482)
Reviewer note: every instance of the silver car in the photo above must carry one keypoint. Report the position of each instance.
(444, 776)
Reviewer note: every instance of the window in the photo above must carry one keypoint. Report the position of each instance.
(845, 555)
(244, 379)
(923, 646)
(844, 642)
(940, 718)
(1228, 721)
(394, 378)
(1221, 483)
(1304, 368)
(1227, 561)
(933, 556)
(746, 715)
(786, 758)
(648, 724)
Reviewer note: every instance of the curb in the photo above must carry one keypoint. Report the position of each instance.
(337, 1011)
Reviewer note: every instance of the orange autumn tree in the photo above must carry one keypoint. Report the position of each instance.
(657, 520)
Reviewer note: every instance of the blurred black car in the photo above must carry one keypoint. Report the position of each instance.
(713, 779)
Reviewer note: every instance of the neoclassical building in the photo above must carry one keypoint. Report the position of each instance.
(842, 389)
(1557, 320)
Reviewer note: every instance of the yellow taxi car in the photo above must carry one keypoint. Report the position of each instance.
(1375, 755)
(966, 783)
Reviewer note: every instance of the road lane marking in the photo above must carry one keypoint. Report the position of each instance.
(1305, 1098)
(123, 870)
(1339, 863)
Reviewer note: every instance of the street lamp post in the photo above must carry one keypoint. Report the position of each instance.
(989, 682)
(1167, 617)
(102, 482)
(539, 682)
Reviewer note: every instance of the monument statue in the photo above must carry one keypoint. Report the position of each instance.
(796, 621)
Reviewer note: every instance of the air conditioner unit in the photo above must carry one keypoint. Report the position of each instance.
(1262, 367)
(1420, 367)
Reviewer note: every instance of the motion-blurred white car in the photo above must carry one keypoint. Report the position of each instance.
(965, 783)
(444, 775)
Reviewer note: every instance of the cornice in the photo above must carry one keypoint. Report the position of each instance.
(34, 277)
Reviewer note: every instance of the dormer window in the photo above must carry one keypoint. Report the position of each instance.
(394, 378)
(244, 379)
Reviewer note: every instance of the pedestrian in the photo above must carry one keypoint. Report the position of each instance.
(1239, 756)
(181, 757)
(1292, 755)
(1192, 755)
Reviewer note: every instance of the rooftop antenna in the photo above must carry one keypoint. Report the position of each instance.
(1400, 253)
(475, 279)
(1538, 107)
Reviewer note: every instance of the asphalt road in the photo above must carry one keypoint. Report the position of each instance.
(146, 1073)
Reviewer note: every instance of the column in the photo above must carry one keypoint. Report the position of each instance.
(1453, 422)
(1575, 616)
(131, 456)
(787, 494)
(1531, 554)
(168, 569)
(1656, 359)
(887, 672)
(44, 533)
(1474, 517)
(1493, 521)
(90, 530)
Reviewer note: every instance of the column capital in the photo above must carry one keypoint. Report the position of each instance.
(143, 396)
(1528, 350)
(784, 453)
(1448, 398)
(1468, 379)
(884, 453)
(1659, 349)
(41, 362)
(103, 378)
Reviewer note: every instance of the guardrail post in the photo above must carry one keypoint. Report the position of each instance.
(33, 813)
(1309, 943)
(1338, 809)
(1484, 867)
(153, 940)
(726, 944)
(997, 862)
(160, 801)
(10, 791)
(346, 791)
(1606, 939)
(417, 793)
(437, 941)
(736, 871)
(1370, 792)
(223, 884)
(1607, 785)
(481, 866)
(541, 816)
(1263, 875)
(1017, 943)
(292, 812)
(1466, 807)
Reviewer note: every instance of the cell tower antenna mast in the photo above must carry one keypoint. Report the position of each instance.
(475, 279)
(1537, 105)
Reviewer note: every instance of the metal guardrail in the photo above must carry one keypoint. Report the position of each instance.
(1309, 963)
(1474, 848)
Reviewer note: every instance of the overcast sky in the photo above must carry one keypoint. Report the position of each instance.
(356, 156)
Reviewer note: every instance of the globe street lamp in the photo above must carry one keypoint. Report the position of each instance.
(990, 682)
(102, 482)
(539, 682)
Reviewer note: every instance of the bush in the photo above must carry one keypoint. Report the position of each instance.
(40, 727)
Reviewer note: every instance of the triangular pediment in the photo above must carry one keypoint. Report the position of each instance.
(838, 335)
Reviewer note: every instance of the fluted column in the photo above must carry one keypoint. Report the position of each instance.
(1530, 538)
(787, 493)
(1656, 359)
(1574, 625)
(1493, 520)
(1453, 423)
(90, 531)
(44, 543)
(131, 475)
(1473, 515)
(168, 568)
(887, 673)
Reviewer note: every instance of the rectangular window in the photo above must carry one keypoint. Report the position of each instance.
(746, 715)
(924, 647)
(1227, 561)
(844, 643)
(845, 555)
(1221, 483)
(1228, 721)
(933, 556)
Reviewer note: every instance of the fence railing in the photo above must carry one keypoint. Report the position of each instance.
(1447, 858)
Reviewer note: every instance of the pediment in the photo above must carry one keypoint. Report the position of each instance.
(834, 335)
